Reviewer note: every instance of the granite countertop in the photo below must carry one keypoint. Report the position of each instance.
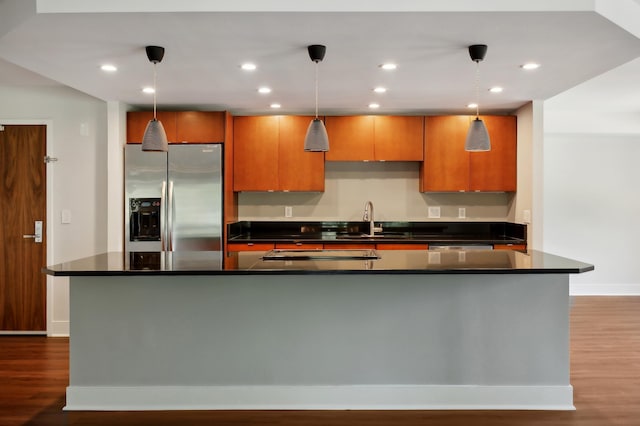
(388, 262)
(459, 233)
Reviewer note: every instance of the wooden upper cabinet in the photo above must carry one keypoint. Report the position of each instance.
(200, 126)
(180, 126)
(269, 155)
(446, 163)
(137, 123)
(447, 167)
(398, 138)
(298, 170)
(375, 138)
(495, 170)
(350, 138)
(255, 152)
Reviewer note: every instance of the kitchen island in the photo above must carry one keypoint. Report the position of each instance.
(454, 329)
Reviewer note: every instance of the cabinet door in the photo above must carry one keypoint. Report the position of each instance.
(300, 246)
(350, 138)
(298, 170)
(200, 126)
(495, 170)
(255, 149)
(234, 247)
(398, 138)
(446, 163)
(137, 123)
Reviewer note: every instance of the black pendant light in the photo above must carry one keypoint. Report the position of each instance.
(477, 136)
(155, 138)
(316, 139)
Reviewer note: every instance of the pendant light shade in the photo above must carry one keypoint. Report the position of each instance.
(155, 138)
(316, 139)
(477, 135)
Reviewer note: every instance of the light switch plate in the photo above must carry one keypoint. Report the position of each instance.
(434, 212)
(65, 216)
(462, 212)
(288, 211)
(526, 216)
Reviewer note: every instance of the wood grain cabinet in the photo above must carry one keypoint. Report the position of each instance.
(447, 167)
(180, 126)
(269, 155)
(375, 138)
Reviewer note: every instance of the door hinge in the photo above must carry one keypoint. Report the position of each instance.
(48, 159)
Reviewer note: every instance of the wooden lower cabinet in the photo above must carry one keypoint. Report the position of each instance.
(519, 247)
(359, 246)
(401, 246)
(300, 246)
(250, 246)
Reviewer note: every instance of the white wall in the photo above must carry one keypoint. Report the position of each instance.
(591, 175)
(592, 207)
(391, 186)
(77, 129)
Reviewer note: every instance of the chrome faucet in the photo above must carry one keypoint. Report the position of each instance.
(368, 216)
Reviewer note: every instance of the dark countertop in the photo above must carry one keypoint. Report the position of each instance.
(389, 262)
(458, 233)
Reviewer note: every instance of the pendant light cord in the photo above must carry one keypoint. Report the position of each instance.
(154, 91)
(477, 89)
(316, 89)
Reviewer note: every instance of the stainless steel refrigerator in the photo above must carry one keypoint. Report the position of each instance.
(173, 200)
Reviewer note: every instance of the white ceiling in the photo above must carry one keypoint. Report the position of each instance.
(207, 41)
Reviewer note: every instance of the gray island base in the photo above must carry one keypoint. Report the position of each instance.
(269, 338)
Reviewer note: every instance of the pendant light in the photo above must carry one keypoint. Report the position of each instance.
(155, 138)
(316, 139)
(477, 136)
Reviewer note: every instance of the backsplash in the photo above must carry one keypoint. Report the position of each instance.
(391, 186)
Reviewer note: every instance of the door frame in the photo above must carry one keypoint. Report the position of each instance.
(51, 327)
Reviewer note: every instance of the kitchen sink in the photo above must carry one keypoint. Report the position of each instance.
(379, 235)
(339, 254)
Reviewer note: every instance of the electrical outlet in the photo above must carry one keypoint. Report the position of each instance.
(462, 212)
(526, 216)
(434, 212)
(288, 211)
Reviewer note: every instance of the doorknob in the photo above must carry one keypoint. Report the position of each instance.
(37, 235)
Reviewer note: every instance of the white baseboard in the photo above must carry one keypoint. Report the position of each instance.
(581, 289)
(58, 329)
(356, 397)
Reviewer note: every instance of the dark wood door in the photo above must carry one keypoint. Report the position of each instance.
(23, 201)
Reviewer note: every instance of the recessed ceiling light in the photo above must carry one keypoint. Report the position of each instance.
(496, 89)
(530, 66)
(275, 106)
(374, 105)
(248, 66)
(148, 90)
(472, 105)
(388, 66)
(264, 90)
(380, 89)
(109, 68)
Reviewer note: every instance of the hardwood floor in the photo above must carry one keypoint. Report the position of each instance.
(605, 374)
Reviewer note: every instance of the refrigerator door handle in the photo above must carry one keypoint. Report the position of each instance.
(163, 216)
(171, 206)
